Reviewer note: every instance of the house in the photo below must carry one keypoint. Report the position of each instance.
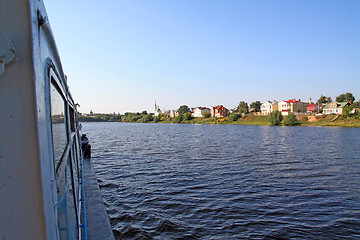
(355, 110)
(335, 107)
(252, 110)
(172, 113)
(312, 108)
(159, 111)
(292, 105)
(268, 107)
(275, 106)
(199, 111)
(219, 111)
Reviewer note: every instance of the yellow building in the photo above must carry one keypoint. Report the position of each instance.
(292, 105)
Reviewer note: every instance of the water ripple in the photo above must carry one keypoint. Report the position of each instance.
(174, 181)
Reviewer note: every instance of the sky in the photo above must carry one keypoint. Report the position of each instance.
(122, 56)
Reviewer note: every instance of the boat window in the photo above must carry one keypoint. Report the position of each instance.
(67, 219)
(59, 134)
(72, 119)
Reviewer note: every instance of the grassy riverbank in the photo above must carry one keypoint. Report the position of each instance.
(334, 121)
(325, 120)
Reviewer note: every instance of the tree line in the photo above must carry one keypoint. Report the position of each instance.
(184, 115)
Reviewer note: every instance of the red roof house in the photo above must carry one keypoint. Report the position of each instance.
(311, 108)
(219, 111)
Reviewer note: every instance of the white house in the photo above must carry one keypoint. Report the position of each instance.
(266, 108)
(199, 111)
(284, 106)
(172, 113)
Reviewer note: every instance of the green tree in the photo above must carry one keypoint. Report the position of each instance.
(134, 118)
(275, 117)
(356, 104)
(147, 118)
(234, 117)
(357, 115)
(345, 97)
(183, 109)
(187, 116)
(157, 119)
(163, 116)
(324, 100)
(243, 107)
(347, 110)
(207, 115)
(178, 118)
(131, 117)
(256, 105)
(290, 120)
(117, 118)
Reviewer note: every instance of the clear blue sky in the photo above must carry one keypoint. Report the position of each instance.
(123, 55)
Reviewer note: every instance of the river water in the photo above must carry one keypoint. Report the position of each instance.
(179, 181)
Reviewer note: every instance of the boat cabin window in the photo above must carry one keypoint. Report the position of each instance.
(72, 119)
(59, 133)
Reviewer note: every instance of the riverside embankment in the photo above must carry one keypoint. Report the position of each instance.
(325, 120)
(248, 119)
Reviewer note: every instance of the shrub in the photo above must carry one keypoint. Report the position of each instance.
(207, 115)
(357, 115)
(290, 120)
(157, 119)
(133, 119)
(187, 116)
(346, 110)
(275, 117)
(147, 118)
(234, 117)
(178, 119)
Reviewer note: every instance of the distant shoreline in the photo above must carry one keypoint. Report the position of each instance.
(322, 121)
